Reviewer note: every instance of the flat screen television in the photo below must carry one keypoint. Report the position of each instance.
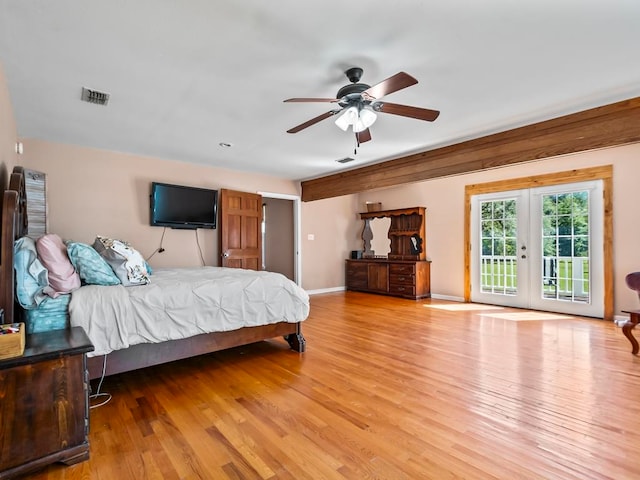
(178, 206)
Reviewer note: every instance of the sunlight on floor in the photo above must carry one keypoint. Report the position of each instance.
(459, 307)
(526, 316)
(517, 316)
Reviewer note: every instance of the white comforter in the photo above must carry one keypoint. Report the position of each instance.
(182, 302)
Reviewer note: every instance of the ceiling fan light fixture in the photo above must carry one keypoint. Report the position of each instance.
(366, 118)
(360, 106)
(348, 117)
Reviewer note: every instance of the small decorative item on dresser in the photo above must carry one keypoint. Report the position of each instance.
(11, 340)
(373, 206)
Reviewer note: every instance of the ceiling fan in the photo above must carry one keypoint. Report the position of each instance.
(360, 102)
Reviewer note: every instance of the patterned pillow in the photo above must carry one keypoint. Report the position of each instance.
(126, 262)
(92, 268)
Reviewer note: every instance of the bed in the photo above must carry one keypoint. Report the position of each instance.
(260, 316)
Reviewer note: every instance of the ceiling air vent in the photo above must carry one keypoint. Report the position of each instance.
(94, 96)
(345, 160)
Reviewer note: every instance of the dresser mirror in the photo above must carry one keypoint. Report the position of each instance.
(380, 244)
(394, 258)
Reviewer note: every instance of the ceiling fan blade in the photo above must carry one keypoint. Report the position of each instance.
(313, 121)
(322, 100)
(392, 84)
(407, 111)
(363, 136)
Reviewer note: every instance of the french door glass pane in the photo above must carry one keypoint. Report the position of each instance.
(499, 247)
(565, 247)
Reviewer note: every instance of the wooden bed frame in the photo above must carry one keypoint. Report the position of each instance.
(15, 225)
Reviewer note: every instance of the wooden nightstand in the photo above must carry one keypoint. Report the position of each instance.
(44, 403)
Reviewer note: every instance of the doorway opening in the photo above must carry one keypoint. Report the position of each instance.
(281, 235)
(604, 174)
(539, 248)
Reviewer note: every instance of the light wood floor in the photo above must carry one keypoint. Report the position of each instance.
(388, 389)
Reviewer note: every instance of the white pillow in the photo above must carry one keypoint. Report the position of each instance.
(125, 261)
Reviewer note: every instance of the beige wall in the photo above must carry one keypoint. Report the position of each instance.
(444, 199)
(335, 226)
(94, 192)
(8, 132)
(98, 192)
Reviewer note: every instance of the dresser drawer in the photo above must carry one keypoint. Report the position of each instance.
(408, 290)
(402, 279)
(357, 283)
(357, 274)
(402, 269)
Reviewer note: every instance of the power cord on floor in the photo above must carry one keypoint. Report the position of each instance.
(106, 396)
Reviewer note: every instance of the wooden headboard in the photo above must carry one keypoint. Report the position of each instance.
(14, 226)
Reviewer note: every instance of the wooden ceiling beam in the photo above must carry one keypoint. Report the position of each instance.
(605, 126)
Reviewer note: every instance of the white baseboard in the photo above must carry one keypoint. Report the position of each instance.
(447, 297)
(342, 289)
(326, 290)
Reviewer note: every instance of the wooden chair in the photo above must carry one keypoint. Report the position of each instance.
(633, 282)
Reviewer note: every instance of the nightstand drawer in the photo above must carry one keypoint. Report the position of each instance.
(402, 269)
(402, 279)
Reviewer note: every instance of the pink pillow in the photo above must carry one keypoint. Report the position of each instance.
(53, 254)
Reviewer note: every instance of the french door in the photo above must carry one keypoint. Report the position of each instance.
(540, 248)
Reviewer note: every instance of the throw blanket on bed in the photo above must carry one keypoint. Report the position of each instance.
(183, 302)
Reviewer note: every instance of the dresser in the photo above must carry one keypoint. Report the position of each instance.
(404, 271)
(408, 279)
(44, 408)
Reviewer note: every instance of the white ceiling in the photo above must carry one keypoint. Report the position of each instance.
(185, 76)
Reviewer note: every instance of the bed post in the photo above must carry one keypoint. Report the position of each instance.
(296, 340)
(14, 225)
(7, 283)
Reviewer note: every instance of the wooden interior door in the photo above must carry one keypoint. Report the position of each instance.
(240, 229)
